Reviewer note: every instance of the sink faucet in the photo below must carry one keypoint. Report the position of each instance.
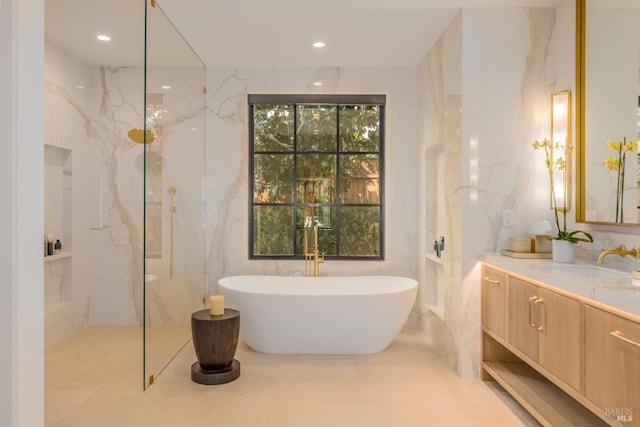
(620, 250)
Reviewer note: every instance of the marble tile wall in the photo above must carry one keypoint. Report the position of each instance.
(439, 124)
(177, 160)
(227, 164)
(496, 79)
(89, 111)
(67, 100)
(117, 262)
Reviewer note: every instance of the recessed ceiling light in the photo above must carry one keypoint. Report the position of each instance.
(319, 44)
(317, 83)
(165, 87)
(103, 38)
(79, 87)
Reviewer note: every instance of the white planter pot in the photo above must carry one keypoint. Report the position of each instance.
(563, 251)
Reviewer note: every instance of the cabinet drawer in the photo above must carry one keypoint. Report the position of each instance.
(613, 365)
(494, 301)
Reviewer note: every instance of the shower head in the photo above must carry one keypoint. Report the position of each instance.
(138, 135)
(171, 190)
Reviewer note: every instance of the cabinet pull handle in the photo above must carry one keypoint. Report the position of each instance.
(618, 335)
(492, 281)
(539, 318)
(532, 316)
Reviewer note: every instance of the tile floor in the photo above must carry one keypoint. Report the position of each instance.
(94, 379)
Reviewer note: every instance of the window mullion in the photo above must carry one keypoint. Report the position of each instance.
(337, 202)
(295, 179)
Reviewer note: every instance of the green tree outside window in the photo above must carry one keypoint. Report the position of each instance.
(318, 156)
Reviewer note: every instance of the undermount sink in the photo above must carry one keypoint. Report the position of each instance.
(587, 271)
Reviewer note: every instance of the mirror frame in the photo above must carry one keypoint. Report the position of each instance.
(580, 146)
(580, 203)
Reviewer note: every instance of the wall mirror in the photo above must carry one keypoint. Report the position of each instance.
(608, 113)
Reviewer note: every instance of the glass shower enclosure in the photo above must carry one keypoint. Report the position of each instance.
(173, 137)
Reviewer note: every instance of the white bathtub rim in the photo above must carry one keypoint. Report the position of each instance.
(297, 285)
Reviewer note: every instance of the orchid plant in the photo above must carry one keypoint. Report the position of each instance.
(558, 163)
(618, 165)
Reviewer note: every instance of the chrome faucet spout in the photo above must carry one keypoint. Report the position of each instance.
(620, 250)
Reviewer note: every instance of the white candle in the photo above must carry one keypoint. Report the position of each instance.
(101, 194)
(217, 305)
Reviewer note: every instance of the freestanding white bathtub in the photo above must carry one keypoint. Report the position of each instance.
(319, 315)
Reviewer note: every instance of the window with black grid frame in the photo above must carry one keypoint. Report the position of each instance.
(318, 157)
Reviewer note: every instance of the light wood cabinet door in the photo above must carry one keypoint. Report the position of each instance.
(560, 322)
(494, 301)
(523, 333)
(613, 365)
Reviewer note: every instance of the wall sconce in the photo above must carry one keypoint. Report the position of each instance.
(561, 134)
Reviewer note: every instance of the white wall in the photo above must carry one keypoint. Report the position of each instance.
(22, 194)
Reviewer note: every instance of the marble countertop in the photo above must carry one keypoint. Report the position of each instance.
(614, 288)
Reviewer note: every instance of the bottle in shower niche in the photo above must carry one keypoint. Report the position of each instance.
(50, 244)
(46, 245)
(57, 247)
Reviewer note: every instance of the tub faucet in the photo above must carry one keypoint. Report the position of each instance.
(620, 250)
(315, 255)
(317, 259)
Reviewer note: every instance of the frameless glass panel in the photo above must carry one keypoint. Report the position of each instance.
(317, 128)
(273, 230)
(174, 166)
(273, 178)
(360, 128)
(273, 128)
(359, 178)
(359, 227)
(316, 178)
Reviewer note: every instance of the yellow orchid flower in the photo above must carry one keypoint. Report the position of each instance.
(614, 145)
(630, 146)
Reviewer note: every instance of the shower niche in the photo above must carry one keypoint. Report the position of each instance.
(57, 223)
(435, 225)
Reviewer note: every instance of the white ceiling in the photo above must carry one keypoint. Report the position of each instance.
(259, 32)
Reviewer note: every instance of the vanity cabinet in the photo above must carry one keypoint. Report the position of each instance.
(613, 365)
(534, 346)
(541, 322)
(494, 297)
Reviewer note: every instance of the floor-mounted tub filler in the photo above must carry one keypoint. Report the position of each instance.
(319, 315)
